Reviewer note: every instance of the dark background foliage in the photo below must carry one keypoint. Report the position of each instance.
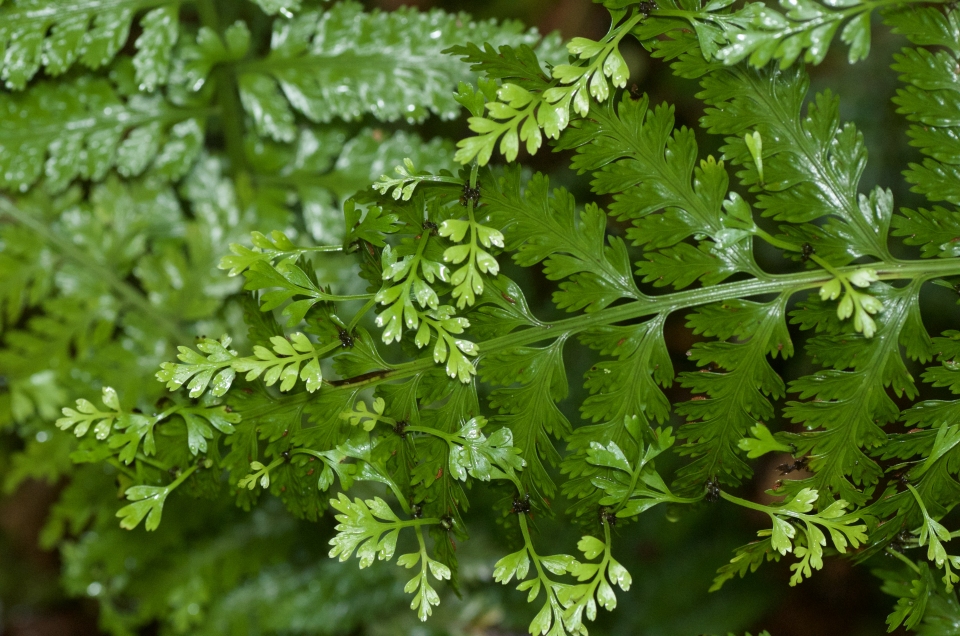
(672, 560)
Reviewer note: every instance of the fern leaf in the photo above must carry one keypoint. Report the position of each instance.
(517, 114)
(395, 71)
(324, 166)
(500, 310)
(26, 267)
(930, 99)
(926, 26)
(519, 64)
(198, 370)
(651, 170)
(283, 363)
(86, 127)
(797, 187)
(933, 436)
(758, 33)
(285, 8)
(913, 597)
(540, 227)
(529, 410)
(321, 427)
(55, 34)
(851, 394)
(728, 404)
(195, 58)
(624, 403)
(936, 231)
(161, 27)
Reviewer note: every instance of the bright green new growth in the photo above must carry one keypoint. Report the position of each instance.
(392, 321)
(282, 363)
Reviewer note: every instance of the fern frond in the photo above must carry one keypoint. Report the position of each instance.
(926, 26)
(55, 34)
(728, 404)
(285, 8)
(86, 127)
(811, 165)
(344, 63)
(26, 267)
(533, 100)
(401, 293)
(542, 226)
(936, 231)
(850, 396)
(529, 410)
(651, 169)
(930, 99)
(324, 166)
(624, 403)
(759, 34)
(932, 436)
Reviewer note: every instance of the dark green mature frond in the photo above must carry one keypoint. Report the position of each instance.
(49, 340)
(435, 481)
(926, 26)
(502, 309)
(624, 404)
(914, 596)
(933, 437)
(936, 231)
(543, 226)
(521, 64)
(728, 404)
(627, 385)
(530, 410)
(931, 100)
(58, 33)
(84, 128)
(851, 402)
(283, 7)
(748, 558)
(167, 580)
(759, 34)
(125, 237)
(341, 597)
(323, 427)
(651, 169)
(345, 63)
(113, 229)
(811, 165)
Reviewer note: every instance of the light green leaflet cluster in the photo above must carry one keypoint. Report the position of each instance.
(428, 244)
(289, 359)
